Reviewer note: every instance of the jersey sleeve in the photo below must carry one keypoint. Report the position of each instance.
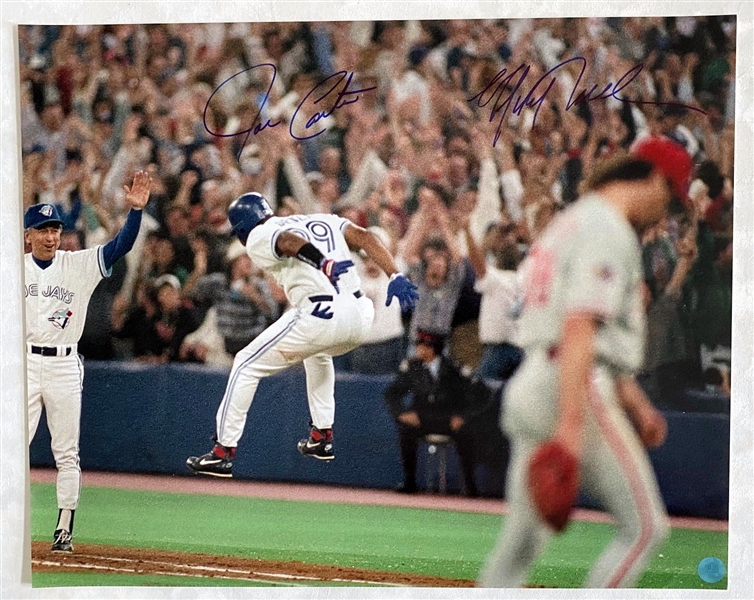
(261, 245)
(89, 264)
(596, 274)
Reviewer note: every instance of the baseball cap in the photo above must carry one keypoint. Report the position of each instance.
(671, 159)
(42, 215)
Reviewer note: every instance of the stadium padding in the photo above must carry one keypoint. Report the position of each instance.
(149, 419)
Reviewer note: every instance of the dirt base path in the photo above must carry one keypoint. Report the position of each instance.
(88, 558)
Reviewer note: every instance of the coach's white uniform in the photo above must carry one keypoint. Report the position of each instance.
(323, 322)
(56, 304)
(588, 260)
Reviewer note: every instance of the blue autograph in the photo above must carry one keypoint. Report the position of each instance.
(330, 94)
(510, 83)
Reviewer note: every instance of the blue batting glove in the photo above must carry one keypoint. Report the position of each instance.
(400, 287)
(334, 269)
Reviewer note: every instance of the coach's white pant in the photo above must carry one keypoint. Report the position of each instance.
(615, 471)
(55, 382)
(299, 335)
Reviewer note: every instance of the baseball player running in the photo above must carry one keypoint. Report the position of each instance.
(309, 256)
(58, 286)
(575, 415)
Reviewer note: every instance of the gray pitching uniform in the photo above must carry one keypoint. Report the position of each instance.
(588, 260)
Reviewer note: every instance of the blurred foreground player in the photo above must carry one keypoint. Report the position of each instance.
(58, 286)
(574, 413)
(309, 257)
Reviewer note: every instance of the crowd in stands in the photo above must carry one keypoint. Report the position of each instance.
(457, 191)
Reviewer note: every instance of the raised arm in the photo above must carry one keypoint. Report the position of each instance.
(137, 196)
(442, 219)
(476, 255)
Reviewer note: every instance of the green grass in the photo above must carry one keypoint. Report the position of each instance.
(568, 558)
(406, 540)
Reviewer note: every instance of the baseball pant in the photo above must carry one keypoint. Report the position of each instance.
(615, 471)
(312, 333)
(55, 382)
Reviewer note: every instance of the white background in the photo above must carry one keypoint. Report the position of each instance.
(14, 496)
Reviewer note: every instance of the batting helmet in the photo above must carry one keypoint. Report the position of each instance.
(246, 212)
(671, 159)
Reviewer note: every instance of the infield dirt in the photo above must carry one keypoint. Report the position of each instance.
(139, 561)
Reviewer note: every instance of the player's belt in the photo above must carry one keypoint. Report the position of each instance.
(52, 350)
(328, 297)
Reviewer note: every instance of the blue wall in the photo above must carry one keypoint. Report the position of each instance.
(148, 419)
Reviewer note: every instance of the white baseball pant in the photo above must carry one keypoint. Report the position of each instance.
(55, 382)
(343, 323)
(615, 471)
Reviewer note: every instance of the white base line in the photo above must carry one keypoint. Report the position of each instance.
(286, 576)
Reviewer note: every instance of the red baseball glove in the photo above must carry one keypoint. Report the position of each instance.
(553, 482)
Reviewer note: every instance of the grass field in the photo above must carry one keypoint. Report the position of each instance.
(381, 538)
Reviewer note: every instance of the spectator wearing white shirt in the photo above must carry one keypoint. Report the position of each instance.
(499, 286)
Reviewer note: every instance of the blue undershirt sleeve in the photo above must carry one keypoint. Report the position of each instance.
(119, 246)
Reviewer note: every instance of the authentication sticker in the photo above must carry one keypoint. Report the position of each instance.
(711, 569)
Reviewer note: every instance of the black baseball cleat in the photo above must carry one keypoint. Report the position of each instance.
(217, 463)
(61, 541)
(317, 445)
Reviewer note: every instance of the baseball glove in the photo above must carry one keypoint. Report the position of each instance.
(553, 482)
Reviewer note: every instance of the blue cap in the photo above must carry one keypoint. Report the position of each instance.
(42, 215)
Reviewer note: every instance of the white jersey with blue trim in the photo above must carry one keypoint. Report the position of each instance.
(57, 297)
(298, 279)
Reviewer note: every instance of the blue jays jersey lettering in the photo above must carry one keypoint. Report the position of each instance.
(57, 297)
(52, 291)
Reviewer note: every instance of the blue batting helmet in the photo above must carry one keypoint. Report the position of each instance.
(246, 212)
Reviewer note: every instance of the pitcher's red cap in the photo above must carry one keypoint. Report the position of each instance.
(671, 159)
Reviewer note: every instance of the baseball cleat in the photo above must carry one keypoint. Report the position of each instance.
(317, 445)
(61, 541)
(217, 463)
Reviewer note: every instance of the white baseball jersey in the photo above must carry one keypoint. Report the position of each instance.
(56, 304)
(57, 297)
(588, 259)
(298, 279)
